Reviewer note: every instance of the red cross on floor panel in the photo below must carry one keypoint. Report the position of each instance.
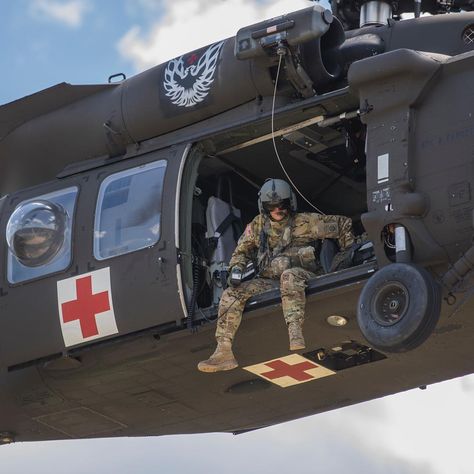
(85, 307)
(289, 370)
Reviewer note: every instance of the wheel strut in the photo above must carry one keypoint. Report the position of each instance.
(402, 245)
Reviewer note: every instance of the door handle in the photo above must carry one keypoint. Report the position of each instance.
(161, 263)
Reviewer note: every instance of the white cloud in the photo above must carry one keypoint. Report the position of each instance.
(70, 13)
(190, 24)
(421, 427)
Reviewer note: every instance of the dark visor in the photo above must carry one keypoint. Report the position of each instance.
(271, 206)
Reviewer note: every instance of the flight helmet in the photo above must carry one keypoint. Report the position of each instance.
(276, 193)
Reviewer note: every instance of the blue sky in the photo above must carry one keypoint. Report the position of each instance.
(83, 42)
(80, 47)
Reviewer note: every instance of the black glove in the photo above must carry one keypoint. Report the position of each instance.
(235, 276)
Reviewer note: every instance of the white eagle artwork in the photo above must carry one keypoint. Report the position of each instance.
(187, 86)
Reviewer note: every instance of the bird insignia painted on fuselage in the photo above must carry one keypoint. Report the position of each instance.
(188, 84)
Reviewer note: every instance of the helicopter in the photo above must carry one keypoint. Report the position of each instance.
(121, 203)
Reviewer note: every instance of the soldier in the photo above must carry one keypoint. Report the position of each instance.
(283, 242)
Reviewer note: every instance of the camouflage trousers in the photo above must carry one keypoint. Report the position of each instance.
(293, 299)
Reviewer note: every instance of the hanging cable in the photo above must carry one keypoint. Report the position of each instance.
(281, 53)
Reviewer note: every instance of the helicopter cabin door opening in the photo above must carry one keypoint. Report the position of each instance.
(219, 195)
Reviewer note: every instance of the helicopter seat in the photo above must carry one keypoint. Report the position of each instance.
(224, 227)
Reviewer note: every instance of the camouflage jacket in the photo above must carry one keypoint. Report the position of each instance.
(294, 232)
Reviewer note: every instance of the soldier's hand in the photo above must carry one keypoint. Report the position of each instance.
(235, 276)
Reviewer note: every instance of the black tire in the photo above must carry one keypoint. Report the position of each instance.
(399, 307)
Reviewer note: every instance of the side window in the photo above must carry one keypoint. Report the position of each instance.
(128, 212)
(39, 235)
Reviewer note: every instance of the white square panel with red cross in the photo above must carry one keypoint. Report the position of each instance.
(289, 370)
(85, 306)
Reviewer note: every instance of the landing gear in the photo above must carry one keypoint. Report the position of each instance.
(399, 307)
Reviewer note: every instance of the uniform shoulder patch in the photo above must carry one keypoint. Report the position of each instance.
(331, 228)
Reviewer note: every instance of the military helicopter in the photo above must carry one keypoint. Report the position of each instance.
(122, 202)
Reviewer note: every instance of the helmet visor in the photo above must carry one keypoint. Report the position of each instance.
(284, 204)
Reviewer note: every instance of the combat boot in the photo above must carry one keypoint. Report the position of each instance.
(222, 358)
(295, 332)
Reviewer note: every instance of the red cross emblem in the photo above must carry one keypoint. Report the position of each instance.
(85, 307)
(295, 371)
(289, 370)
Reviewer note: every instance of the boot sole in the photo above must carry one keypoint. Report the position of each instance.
(297, 347)
(217, 368)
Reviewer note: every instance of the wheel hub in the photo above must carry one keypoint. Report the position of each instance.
(394, 305)
(390, 304)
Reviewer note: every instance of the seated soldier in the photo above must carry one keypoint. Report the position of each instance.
(283, 242)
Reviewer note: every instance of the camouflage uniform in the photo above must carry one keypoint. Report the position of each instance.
(284, 251)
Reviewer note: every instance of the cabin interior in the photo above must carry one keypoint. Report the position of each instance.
(326, 163)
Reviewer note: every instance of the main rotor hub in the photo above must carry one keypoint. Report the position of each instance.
(375, 13)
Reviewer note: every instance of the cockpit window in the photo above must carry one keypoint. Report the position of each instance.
(128, 213)
(39, 235)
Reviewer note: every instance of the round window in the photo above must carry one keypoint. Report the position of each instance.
(36, 231)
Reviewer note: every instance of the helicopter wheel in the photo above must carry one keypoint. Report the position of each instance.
(399, 307)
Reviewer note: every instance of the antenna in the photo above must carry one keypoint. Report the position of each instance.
(417, 8)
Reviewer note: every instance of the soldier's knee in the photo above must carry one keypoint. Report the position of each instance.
(228, 293)
(287, 282)
(229, 296)
(291, 283)
(285, 278)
